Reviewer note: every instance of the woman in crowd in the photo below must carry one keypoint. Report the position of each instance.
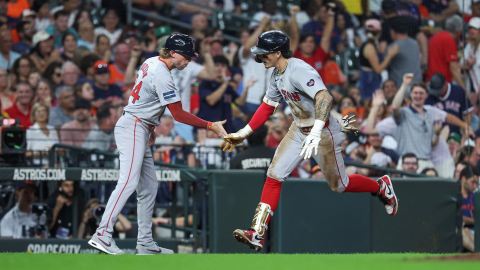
(69, 42)
(43, 93)
(22, 68)
(371, 64)
(40, 136)
(43, 52)
(53, 74)
(111, 26)
(103, 48)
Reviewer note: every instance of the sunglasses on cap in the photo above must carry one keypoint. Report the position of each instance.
(101, 68)
(102, 65)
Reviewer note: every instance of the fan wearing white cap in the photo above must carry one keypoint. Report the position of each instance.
(371, 66)
(471, 55)
(42, 51)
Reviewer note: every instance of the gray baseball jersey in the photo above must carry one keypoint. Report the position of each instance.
(154, 89)
(298, 85)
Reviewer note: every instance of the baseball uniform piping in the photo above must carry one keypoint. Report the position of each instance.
(128, 177)
(335, 156)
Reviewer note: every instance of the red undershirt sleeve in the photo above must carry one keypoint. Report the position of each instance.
(261, 115)
(185, 117)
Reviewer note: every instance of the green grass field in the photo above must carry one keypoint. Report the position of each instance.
(407, 261)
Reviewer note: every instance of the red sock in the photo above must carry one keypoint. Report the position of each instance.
(360, 183)
(271, 192)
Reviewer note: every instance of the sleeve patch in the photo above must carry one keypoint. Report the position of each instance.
(311, 83)
(169, 95)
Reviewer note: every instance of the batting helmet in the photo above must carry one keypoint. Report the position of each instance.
(182, 44)
(272, 41)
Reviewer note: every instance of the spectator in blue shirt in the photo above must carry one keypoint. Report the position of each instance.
(450, 98)
(217, 96)
(60, 28)
(7, 55)
(469, 184)
(102, 89)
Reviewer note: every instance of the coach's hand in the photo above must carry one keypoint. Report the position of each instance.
(217, 127)
(232, 139)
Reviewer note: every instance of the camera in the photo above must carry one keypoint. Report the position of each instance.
(40, 228)
(97, 213)
(13, 138)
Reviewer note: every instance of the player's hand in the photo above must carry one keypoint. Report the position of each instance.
(217, 127)
(347, 123)
(310, 145)
(232, 139)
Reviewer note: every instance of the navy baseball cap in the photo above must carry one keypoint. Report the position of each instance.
(436, 84)
(182, 44)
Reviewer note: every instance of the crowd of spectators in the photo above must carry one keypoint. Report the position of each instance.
(409, 70)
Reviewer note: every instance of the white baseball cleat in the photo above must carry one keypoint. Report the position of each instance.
(105, 244)
(152, 249)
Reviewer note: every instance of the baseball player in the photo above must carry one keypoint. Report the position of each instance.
(154, 91)
(314, 133)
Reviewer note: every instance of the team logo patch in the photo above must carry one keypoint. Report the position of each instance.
(169, 95)
(311, 82)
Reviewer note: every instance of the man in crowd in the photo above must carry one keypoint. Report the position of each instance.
(23, 105)
(61, 204)
(76, 131)
(63, 112)
(101, 86)
(443, 52)
(18, 222)
(410, 163)
(450, 98)
(101, 135)
(407, 58)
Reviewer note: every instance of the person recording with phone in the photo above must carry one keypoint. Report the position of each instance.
(61, 203)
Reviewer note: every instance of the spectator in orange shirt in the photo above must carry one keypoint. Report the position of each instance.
(22, 107)
(117, 69)
(16, 7)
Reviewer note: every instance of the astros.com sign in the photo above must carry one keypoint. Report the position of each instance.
(38, 174)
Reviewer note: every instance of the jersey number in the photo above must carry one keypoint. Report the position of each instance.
(135, 92)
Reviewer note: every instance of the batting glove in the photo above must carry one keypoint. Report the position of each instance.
(232, 139)
(347, 121)
(310, 145)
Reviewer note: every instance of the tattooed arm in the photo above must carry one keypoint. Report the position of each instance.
(323, 105)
